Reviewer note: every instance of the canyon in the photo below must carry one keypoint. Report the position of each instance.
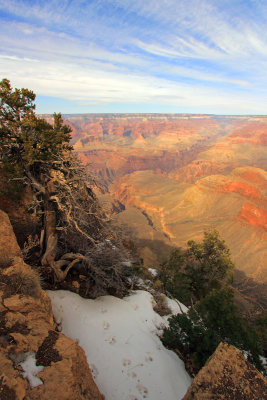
(169, 177)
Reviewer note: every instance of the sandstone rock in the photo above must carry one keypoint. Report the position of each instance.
(76, 285)
(12, 385)
(9, 247)
(27, 326)
(67, 373)
(227, 375)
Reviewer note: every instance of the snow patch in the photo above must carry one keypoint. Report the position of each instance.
(153, 271)
(120, 339)
(175, 306)
(126, 263)
(29, 367)
(264, 362)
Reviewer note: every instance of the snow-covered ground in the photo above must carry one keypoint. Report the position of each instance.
(120, 340)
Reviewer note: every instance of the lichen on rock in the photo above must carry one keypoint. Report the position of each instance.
(227, 376)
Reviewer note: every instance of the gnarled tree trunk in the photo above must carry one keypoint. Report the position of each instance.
(49, 258)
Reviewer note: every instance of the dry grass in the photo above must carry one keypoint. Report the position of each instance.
(19, 278)
(161, 306)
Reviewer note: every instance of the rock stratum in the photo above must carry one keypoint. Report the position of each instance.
(170, 177)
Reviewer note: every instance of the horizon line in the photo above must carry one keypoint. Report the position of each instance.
(162, 114)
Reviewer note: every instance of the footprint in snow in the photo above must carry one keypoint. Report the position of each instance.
(126, 362)
(142, 390)
(106, 325)
(111, 340)
(94, 370)
(132, 374)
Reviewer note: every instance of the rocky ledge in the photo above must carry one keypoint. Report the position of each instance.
(36, 361)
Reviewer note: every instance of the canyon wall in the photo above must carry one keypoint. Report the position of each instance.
(170, 177)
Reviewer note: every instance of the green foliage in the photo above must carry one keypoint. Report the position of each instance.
(260, 325)
(214, 319)
(173, 278)
(15, 104)
(12, 188)
(24, 138)
(196, 271)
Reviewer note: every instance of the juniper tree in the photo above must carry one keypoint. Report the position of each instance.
(41, 156)
(193, 273)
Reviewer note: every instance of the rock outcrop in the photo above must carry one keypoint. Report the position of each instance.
(9, 247)
(36, 361)
(227, 375)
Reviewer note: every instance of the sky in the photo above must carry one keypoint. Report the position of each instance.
(145, 56)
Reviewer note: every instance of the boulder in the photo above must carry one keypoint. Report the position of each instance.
(227, 375)
(9, 247)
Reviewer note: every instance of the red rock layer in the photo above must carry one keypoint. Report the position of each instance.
(241, 188)
(255, 178)
(199, 169)
(251, 132)
(254, 215)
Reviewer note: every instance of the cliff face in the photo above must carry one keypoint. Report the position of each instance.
(177, 175)
(116, 146)
(36, 361)
(204, 145)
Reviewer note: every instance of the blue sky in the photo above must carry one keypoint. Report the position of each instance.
(82, 56)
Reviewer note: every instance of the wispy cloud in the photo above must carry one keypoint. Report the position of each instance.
(190, 54)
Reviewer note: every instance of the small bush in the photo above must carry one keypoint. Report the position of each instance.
(161, 307)
(21, 279)
(194, 272)
(5, 261)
